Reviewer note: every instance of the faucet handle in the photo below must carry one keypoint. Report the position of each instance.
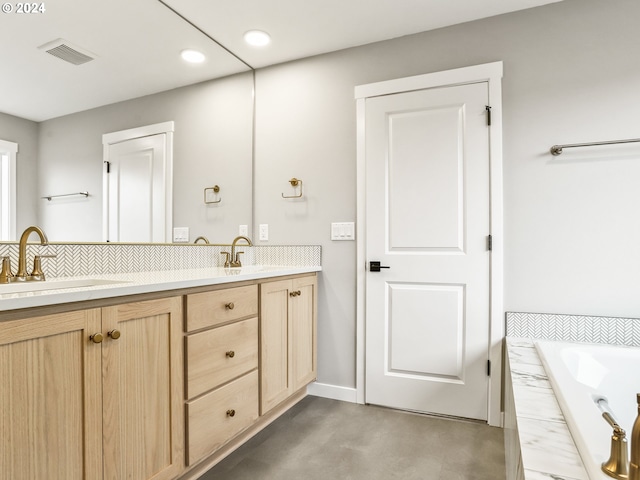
(227, 257)
(37, 273)
(238, 263)
(6, 274)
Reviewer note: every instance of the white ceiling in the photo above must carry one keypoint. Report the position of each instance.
(137, 42)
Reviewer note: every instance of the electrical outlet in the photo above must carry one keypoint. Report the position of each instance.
(243, 230)
(264, 232)
(181, 234)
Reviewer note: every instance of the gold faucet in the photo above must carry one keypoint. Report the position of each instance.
(37, 274)
(204, 239)
(618, 466)
(233, 258)
(634, 464)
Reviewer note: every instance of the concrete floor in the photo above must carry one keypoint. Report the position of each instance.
(327, 439)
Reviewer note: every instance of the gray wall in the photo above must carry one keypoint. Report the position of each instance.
(25, 134)
(212, 145)
(572, 228)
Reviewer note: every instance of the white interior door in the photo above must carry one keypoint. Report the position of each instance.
(427, 218)
(136, 190)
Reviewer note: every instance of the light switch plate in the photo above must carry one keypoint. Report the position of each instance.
(181, 234)
(343, 231)
(243, 230)
(264, 232)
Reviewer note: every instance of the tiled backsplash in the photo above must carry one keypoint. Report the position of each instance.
(76, 259)
(575, 328)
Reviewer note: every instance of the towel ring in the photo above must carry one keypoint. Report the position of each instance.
(294, 183)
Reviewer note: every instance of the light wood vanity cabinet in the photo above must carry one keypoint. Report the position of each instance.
(287, 338)
(146, 391)
(221, 366)
(77, 406)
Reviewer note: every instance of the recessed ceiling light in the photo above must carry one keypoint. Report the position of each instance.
(257, 38)
(192, 56)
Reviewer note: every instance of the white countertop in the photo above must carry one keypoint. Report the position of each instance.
(137, 283)
(548, 450)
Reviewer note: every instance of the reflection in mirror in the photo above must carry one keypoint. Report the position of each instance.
(58, 112)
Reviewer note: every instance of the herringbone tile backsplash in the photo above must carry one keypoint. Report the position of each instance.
(575, 328)
(77, 259)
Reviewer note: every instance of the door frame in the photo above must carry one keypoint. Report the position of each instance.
(492, 74)
(113, 138)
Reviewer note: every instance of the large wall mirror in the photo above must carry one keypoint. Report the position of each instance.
(57, 105)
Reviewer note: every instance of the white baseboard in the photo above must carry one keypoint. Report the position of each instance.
(334, 392)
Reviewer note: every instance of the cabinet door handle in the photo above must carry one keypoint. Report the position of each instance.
(96, 338)
(231, 354)
(295, 293)
(229, 306)
(115, 334)
(231, 413)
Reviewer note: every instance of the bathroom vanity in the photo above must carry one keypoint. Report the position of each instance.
(157, 375)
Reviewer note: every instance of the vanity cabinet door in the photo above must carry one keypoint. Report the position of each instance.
(143, 416)
(51, 398)
(287, 338)
(303, 331)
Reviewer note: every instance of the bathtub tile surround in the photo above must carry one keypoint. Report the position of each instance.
(575, 328)
(80, 259)
(533, 420)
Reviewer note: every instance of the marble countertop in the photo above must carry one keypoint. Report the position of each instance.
(548, 450)
(65, 290)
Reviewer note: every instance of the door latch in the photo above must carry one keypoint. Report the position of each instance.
(375, 266)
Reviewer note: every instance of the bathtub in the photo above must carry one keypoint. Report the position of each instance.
(582, 373)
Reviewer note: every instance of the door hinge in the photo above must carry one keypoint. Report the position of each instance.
(108, 166)
(488, 108)
(488, 368)
(489, 242)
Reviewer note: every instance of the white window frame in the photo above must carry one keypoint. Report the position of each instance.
(8, 200)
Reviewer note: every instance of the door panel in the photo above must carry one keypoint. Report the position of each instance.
(425, 172)
(425, 325)
(427, 190)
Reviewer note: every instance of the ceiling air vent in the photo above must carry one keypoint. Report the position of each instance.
(63, 50)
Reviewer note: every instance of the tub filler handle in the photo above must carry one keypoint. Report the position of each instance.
(618, 464)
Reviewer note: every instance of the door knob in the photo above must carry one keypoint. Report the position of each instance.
(375, 266)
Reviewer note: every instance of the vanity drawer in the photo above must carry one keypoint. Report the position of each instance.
(221, 354)
(210, 420)
(208, 309)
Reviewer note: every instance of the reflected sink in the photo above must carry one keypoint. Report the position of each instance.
(54, 285)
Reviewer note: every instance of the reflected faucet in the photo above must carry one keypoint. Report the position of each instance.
(234, 261)
(204, 239)
(22, 276)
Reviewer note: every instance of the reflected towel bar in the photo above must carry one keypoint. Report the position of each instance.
(557, 149)
(49, 197)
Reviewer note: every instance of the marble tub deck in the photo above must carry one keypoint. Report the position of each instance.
(546, 445)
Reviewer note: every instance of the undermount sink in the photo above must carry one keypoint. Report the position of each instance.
(21, 287)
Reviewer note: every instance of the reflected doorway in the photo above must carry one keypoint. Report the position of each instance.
(137, 184)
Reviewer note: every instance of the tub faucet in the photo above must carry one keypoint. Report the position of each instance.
(634, 464)
(618, 466)
(22, 276)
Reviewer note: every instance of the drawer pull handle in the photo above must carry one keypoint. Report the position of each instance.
(295, 293)
(96, 338)
(231, 413)
(229, 306)
(115, 334)
(231, 354)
